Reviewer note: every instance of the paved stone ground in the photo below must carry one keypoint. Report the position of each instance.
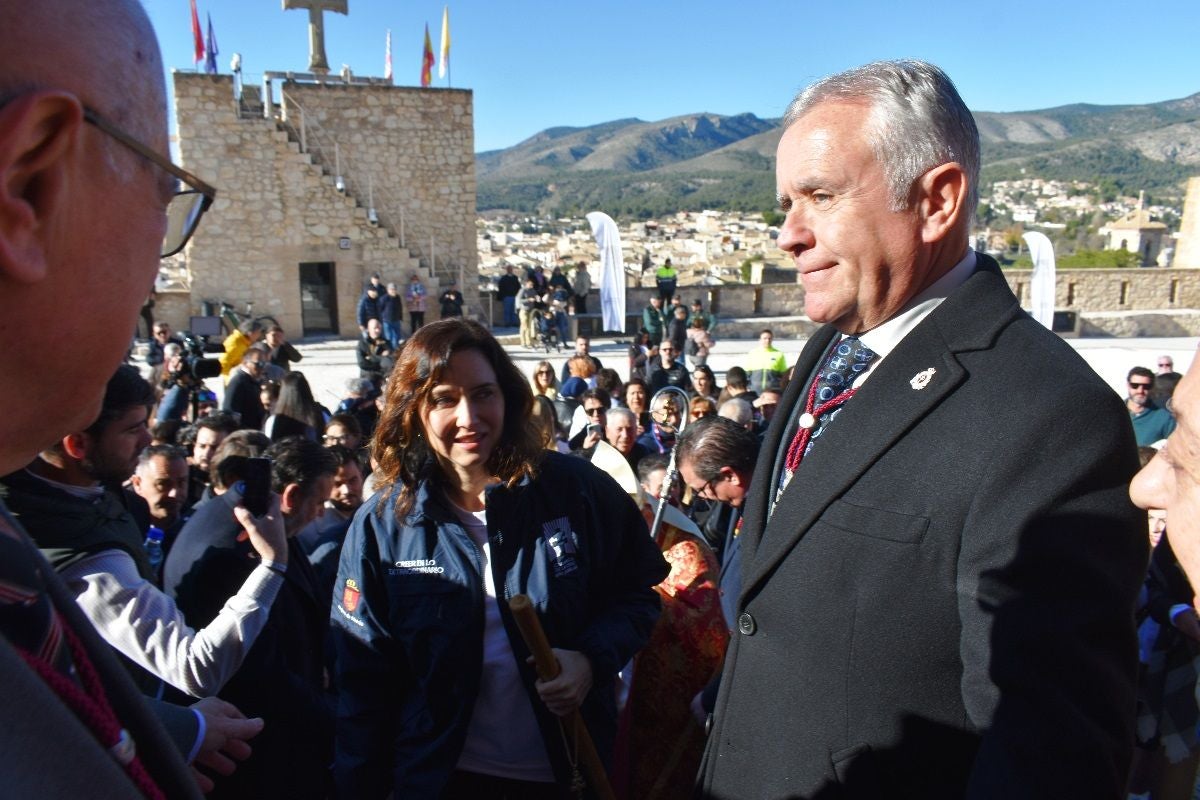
(328, 364)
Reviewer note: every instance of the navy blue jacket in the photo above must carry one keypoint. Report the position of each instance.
(408, 617)
(389, 307)
(368, 309)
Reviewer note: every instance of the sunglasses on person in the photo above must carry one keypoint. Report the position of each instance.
(1143, 387)
(594, 412)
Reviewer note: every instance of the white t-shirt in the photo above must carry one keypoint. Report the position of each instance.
(503, 737)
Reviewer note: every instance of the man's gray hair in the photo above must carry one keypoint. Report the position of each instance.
(360, 387)
(171, 350)
(737, 410)
(621, 413)
(918, 121)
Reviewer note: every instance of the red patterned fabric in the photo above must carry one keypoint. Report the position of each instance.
(659, 742)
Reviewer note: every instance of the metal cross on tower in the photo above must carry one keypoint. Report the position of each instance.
(316, 28)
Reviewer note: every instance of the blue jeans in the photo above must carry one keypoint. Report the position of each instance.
(391, 332)
(510, 312)
(560, 320)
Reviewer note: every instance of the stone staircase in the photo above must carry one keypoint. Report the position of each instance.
(386, 237)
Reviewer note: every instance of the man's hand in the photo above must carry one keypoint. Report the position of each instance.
(226, 734)
(592, 439)
(267, 533)
(565, 693)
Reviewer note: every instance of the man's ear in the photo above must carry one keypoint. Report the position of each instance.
(75, 445)
(942, 201)
(291, 498)
(38, 131)
(731, 475)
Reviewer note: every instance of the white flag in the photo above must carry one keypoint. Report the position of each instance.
(1041, 286)
(444, 61)
(387, 57)
(612, 270)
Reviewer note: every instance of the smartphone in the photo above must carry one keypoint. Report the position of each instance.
(256, 480)
(592, 428)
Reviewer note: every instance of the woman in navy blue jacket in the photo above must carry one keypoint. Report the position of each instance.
(437, 698)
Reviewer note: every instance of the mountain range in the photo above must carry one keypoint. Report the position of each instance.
(632, 168)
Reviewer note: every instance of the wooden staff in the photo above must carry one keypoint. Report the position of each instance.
(547, 668)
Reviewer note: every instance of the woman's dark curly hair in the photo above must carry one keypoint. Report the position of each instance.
(400, 445)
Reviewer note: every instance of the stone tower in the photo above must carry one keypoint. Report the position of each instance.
(335, 180)
(1187, 251)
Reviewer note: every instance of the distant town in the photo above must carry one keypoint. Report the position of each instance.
(718, 247)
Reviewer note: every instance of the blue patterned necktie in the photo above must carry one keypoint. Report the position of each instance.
(847, 360)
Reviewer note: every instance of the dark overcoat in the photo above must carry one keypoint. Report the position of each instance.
(941, 604)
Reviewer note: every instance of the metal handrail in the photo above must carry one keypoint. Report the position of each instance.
(340, 161)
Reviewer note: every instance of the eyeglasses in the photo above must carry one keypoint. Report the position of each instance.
(706, 491)
(186, 207)
(1143, 387)
(545, 372)
(1166, 364)
(594, 412)
(345, 437)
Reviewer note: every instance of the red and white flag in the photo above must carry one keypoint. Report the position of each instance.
(387, 57)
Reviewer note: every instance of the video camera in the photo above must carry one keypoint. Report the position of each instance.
(196, 365)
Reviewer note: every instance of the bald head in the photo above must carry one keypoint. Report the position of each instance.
(81, 214)
(103, 51)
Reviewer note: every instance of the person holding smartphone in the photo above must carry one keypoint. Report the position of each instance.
(282, 678)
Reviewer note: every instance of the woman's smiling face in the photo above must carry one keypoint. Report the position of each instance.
(463, 416)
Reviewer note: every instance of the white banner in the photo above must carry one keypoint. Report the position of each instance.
(1041, 286)
(612, 270)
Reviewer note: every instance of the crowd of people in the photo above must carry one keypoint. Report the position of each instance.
(874, 575)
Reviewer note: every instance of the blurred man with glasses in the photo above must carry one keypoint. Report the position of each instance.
(716, 459)
(1151, 422)
(89, 202)
(667, 371)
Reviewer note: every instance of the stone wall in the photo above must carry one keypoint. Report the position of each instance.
(1187, 247)
(276, 208)
(419, 147)
(175, 308)
(1104, 290)
(1110, 302)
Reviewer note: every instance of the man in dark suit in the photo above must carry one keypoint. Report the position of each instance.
(282, 677)
(83, 152)
(938, 581)
(242, 393)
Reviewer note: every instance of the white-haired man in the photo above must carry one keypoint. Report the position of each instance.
(937, 581)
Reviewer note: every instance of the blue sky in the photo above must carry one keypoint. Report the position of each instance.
(534, 65)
